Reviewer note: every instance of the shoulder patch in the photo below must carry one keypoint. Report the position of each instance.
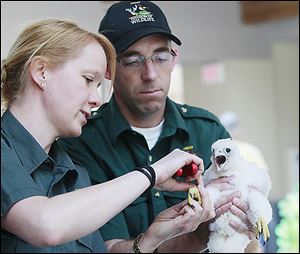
(188, 111)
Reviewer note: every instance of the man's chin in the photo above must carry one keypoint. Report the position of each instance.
(151, 108)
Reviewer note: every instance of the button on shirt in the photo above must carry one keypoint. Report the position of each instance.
(109, 148)
(26, 171)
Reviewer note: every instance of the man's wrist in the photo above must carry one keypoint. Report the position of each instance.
(136, 244)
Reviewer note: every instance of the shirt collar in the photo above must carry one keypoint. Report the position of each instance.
(173, 119)
(29, 151)
(119, 124)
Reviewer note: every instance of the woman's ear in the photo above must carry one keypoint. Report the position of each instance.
(37, 72)
(107, 74)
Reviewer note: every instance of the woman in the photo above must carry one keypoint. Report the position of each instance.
(49, 85)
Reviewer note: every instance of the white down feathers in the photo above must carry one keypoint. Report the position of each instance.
(226, 161)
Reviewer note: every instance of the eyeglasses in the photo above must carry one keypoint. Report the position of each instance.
(137, 61)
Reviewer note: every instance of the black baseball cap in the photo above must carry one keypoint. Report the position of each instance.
(126, 22)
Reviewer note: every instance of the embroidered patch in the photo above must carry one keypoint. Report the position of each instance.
(188, 148)
(139, 13)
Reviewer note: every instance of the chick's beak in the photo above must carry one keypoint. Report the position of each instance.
(220, 160)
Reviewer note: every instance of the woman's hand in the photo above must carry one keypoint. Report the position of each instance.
(178, 220)
(166, 167)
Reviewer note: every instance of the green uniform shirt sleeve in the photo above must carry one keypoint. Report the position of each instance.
(27, 171)
(12, 172)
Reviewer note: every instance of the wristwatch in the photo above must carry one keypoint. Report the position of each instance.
(136, 247)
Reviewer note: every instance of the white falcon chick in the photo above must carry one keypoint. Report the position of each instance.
(254, 185)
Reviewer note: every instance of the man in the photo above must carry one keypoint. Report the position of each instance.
(144, 124)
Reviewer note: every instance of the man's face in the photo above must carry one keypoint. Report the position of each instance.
(141, 90)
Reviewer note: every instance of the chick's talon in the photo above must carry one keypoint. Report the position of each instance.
(268, 234)
(194, 194)
(266, 231)
(262, 228)
(259, 226)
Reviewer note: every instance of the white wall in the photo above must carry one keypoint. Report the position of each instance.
(209, 30)
(286, 77)
(212, 30)
(15, 15)
(265, 95)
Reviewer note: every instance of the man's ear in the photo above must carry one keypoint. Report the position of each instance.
(37, 72)
(175, 50)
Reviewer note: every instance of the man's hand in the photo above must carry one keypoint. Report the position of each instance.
(240, 208)
(225, 203)
(178, 220)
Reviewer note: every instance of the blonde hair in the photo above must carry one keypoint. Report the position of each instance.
(56, 40)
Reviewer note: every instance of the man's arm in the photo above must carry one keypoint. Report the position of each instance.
(163, 233)
(188, 243)
(119, 246)
(191, 242)
(239, 208)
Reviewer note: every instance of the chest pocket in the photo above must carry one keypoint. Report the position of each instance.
(175, 197)
(137, 215)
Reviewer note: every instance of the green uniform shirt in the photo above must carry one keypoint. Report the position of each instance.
(26, 171)
(108, 148)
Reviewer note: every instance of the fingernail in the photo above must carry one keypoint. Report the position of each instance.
(233, 208)
(237, 194)
(233, 223)
(236, 201)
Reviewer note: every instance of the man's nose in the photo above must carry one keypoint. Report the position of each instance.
(149, 70)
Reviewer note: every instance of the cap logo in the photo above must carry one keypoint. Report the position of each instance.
(139, 14)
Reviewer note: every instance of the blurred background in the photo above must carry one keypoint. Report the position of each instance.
(238, 58)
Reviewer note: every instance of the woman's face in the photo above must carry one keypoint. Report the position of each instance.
(72, 90)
